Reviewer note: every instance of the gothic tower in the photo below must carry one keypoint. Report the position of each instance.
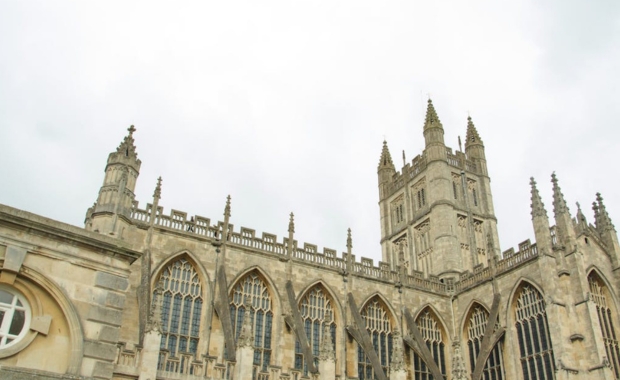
(111, 213)
(437, 213)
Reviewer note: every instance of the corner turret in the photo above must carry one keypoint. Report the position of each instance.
(563, 219)
(111, 213)
(435, 147)
(606, 230)
(474, 147)
(540, 220)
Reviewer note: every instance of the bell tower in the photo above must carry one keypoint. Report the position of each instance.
(111, 213)
(437, 216)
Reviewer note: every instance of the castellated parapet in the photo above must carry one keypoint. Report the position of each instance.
(147, 294)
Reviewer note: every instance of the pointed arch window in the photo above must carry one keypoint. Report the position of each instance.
(316, 311)
(494, 366)
(537, 361)
(181, 308)
(603, 302)
(379, 327)
(254, 289)
(434, 338)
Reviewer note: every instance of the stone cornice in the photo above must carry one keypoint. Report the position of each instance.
(38, 225)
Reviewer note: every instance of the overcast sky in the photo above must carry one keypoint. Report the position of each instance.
(284, 104)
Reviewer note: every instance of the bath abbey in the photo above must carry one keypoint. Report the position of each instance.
(148, 292)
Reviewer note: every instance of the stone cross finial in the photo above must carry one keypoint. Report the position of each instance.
(538, 208)
(131, 129)
(398, 359)
(326, 349)
(246, 335)
(291, 223)
(157, 193)
(127, 146)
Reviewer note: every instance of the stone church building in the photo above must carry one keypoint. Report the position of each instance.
(143, 293)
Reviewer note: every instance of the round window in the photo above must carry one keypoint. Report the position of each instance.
(14, 317)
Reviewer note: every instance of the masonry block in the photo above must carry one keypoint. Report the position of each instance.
(105, 315)
(110, 281)
(99, 350)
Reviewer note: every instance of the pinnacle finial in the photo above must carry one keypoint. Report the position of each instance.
(603, 220)
(349, 240)
(157, 193)
(227, 208)
(127, 147)
(559, 204)
(538, 208)
(291, 223)
(386, 158)
(432, 120)
(580, 217)
(472, 136)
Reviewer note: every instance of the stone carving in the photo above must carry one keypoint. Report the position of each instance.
(459, 371)
(398, 360)
(326, 349)
(154, 321)
(246, 335)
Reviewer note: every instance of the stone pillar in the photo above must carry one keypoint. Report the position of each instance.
(327, 356)
(398, 370)
(245, 346)
(152, 339)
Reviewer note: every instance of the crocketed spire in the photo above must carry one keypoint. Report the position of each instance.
(472, 136)
(559, 204)
(603, 221)
(432, 120)
(157, 193)
(386, 158)
(538, 208)
(127, 146)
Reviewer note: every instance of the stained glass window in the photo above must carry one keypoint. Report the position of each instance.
(253, 289)
(379, 327)
(604, 310)
(316, 310)
(493, 368)
(181, 308)
(537, 361)
(434, 338)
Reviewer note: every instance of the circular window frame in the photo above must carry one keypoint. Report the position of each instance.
(20, 340)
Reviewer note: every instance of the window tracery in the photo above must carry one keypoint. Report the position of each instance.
(433, 336)
(494, 366)
(537, 362)
(604, 310)
(253, 289)
(379, 327)
(316, 311)
(14, 317)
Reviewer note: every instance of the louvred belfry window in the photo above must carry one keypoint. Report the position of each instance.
(434, 338)
(606, 319)
(253, 289)
(181, 308)
(316, 310)
(537, 361)
(379, 328)
(494, 366)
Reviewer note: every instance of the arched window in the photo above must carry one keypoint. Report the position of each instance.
(253, 289)
(379, 327)
(14, 317)
(434, 338)
(494, 366)
(316, 310)
(181, 307)
(603, 302)
(537, 360)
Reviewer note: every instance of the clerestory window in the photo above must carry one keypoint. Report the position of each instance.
(379, 327)
(537, 361)
(316, 311)
(181, 308)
